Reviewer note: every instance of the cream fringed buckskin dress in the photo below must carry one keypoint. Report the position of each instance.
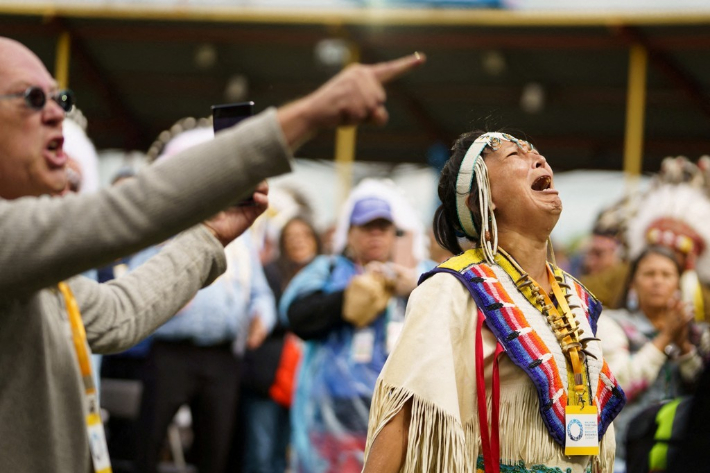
(433, 364)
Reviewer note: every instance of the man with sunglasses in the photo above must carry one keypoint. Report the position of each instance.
(48, 316)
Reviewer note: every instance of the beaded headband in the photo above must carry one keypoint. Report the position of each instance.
(474, 168)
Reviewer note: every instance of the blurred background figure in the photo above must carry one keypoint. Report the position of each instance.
(675, 213)
(653, 345)
(270, 370)
(603, 267)
(349, 309)
(605, 251)
(195, 358)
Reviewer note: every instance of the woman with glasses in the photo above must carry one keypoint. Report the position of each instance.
(497, 368)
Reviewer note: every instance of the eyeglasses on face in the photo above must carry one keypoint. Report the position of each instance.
(36, 98)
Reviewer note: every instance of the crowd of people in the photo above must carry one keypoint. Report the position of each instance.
(292, 353)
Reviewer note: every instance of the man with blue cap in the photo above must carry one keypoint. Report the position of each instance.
(349, 309)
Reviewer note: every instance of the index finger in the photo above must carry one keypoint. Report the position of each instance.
(390, 70)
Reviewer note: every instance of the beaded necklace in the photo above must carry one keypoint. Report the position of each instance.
(563, 323)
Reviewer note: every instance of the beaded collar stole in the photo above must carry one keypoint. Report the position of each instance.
(523, 344)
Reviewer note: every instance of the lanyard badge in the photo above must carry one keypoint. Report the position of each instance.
(94, 425)
(581, 416)
(581, 430)
(97, 443)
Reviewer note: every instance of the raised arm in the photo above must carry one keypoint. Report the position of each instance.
(46, 240)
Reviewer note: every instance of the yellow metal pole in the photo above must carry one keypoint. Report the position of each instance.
(635, 114)
(345, 141)
(345, 138)
(61, 64)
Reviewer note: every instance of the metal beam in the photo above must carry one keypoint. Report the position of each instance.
(669, 67)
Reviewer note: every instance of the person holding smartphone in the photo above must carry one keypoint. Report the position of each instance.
(349, 309)
(51, 320)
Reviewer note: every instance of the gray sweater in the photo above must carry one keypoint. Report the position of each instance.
(45, 241)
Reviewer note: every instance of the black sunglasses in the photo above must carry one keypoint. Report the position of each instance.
(35, 98)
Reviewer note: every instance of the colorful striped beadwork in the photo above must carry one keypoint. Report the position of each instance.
(522, 343)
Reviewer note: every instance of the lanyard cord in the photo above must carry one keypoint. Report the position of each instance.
(79, 339)
(567, 330)
(97, 439)
(568, 333)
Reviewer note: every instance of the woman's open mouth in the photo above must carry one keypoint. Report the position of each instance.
(542, 183)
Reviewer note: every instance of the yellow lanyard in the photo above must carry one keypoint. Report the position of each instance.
(79, 338)
(569, 342)
(97, 439)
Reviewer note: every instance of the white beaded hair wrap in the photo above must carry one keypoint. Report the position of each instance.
(474, 168)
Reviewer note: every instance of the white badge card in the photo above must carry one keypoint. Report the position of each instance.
(581, 431)
(97, 444)
(394, 330)
(363, 345)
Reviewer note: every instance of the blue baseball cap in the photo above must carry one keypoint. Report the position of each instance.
(368, 209)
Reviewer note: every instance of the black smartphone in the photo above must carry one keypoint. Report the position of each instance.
(228, 115)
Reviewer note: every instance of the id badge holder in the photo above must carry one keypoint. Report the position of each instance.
(97, 442)
(363, 345)
(581, 430)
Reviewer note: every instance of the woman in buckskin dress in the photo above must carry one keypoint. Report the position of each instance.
(497, 336)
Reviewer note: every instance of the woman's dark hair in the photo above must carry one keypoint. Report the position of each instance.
(447, 228)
